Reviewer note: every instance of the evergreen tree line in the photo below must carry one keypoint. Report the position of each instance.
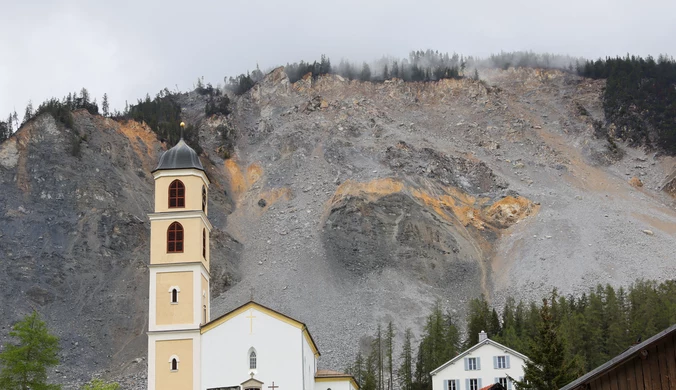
(563, 336)
(594, 327)
(639, 98)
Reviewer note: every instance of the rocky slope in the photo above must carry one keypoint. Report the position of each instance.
(344, 204)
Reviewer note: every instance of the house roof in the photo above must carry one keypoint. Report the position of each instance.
(273, 313)
(619, 359)
(330, 376)
(474, 348)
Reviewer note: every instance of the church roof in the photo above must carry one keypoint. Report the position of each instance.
(181, 156)
(273, 313)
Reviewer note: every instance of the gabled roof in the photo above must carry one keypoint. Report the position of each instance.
(331, 376)
(272, 313)
(474, 348)
(619, 359)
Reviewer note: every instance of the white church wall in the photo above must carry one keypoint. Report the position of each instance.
(485, 371)
(309, 365)
(278, 345)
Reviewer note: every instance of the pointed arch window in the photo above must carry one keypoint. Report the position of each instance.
(204, 199)
(175, 238)
(252, 360)
(176, 194)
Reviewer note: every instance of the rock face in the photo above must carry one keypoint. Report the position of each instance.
(344, 204)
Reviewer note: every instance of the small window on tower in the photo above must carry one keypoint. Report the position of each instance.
(204, 243)
(174, 364)
(204, 199)
(175, 238)
(174, 295)
(176, 194)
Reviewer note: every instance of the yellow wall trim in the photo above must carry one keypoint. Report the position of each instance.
(173, 215)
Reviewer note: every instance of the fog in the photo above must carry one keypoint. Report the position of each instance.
(129, 48)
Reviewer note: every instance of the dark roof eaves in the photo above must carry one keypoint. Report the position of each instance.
(621, 358)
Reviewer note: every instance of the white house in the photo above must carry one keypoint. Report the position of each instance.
(484, 364)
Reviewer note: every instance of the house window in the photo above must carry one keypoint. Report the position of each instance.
(503, 382)
(452, 385)
(501, 361)
(174, 295)
(176, 194)
(252, 360)
(175, 238)
(471, 364)
(204, 243)
(204, 199)
(473, 384)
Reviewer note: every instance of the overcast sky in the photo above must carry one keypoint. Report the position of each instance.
(128, 48)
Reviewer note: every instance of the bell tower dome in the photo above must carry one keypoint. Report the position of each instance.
(179, 270)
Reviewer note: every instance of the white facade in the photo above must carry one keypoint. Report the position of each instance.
(338, 383)
(484, 364)
(284, 352)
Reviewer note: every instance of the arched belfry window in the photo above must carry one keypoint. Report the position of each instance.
(176, 194)
(174, 294)
(252, 359)
(175, 238)
(204, 199)
(204, 243)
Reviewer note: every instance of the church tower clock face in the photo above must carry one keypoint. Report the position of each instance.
(179, 270)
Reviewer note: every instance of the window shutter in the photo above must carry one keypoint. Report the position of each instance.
(446, 385)
(478, 364)
(509, 384)
(495, 362)
(478, 384)
(457, 384)
(466, 365)
(507, 361)
(467, 384)
(496, 380)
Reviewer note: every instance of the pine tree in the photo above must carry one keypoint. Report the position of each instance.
(29, 112)
(406, 367)
(24, 363)
(365, 73)
(104, 105)
(386, 73)
(389, 349)
(548, 367)
(378, 346)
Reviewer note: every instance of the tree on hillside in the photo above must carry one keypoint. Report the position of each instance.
(29, 112)
(100, 384)
(24, 363)
(104, 105)
(365, 73)
(548, 367)
(389, 349)
(406, 367)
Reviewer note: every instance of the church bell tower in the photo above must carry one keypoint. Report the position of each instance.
(179, 270)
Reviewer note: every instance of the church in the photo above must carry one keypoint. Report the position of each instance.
(250, 348)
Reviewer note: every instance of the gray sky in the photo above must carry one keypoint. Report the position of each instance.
(129, 48)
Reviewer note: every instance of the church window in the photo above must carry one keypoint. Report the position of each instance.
(252, 360)
(174, 295)
(204, 314)
(175, 238)
(204, 199)
(204, 243)
(174, 363)
(176, 194)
